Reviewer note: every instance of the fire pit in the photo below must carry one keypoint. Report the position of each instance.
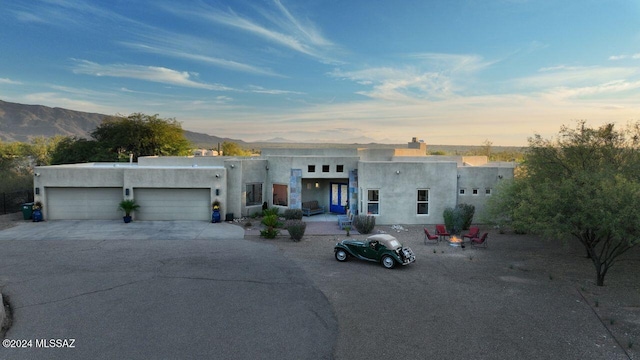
(455, 241)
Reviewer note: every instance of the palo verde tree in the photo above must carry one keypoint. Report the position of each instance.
(584, 185)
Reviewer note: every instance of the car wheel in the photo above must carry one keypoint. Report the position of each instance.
(341, 255)
(388, 262)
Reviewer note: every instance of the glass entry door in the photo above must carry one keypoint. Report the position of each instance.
(339, 198)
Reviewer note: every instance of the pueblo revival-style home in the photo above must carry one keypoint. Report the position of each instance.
(398, 186)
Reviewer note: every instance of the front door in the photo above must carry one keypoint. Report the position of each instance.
(339, 198)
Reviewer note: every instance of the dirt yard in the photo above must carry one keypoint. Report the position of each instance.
(520, 260)
(10, 220)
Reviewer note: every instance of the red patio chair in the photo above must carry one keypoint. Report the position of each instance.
(441, 231)
(428, 236)
(480, 241)
(474, 231)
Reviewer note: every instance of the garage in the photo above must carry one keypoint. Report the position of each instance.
(173, 204)
(83, 203)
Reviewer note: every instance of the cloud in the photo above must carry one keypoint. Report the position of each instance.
(577, 76)
(432, 76)
(278, 25)
(9, 81)
(623, 57)
(260, 90)
(147, 73)
(193, 56)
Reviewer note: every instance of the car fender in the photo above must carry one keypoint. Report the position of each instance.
(350, 252)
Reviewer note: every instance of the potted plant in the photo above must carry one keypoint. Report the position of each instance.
(37, 211)
(215, 215)
(128, 206)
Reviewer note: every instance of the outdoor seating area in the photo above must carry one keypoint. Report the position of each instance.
(345, 220)
(312, 208)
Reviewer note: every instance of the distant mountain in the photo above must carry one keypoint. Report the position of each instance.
(19, 122)
(279, 140)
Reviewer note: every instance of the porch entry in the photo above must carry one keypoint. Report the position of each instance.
(339, 198)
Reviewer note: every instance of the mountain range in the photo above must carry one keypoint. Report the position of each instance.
(20, 122)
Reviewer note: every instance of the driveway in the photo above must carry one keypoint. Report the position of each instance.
(158, 290)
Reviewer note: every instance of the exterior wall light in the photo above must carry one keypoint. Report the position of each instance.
(126, 192)
(217, 192)
(317, 185)
(37, 191)
(397, 172)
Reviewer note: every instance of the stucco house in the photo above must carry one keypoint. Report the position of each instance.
(398, 186)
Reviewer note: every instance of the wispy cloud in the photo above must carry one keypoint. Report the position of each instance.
(260, 90)
(429, 76)
(9, 81)
(277, 25)
(66, 13)
(624, 57)
(147, 73)
(575, 76)
(194, 56)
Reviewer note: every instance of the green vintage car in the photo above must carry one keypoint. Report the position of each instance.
(382, 248)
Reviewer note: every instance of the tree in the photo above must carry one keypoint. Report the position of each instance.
(141, 135)
(585, 185)
(233, 149)
(71, 150)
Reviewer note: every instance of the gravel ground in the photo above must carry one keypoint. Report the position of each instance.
(10, 220)
(527, 288)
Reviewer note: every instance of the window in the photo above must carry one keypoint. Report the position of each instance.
(254, 194)
(423, 202)
(461, 191)
(339, 168)
(325, 168)
(311, 168)
(475, 192)
(373, 202)
(487, 191)
(280, 195)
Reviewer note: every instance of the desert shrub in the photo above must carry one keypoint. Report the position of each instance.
(364, 223)
(270, 211)
(466, 211)
(269, 233)
(453, 219)
(296, 228)
(293, 214)
(271, 221)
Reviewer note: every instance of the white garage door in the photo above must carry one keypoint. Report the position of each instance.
(83, 203)
(173, 204)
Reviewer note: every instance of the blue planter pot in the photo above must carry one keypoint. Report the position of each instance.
(215, 216)
(37, 215)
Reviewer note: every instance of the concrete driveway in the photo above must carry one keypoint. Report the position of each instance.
(118, 230)
(158, 290)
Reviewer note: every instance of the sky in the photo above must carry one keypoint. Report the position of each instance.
(456, 72)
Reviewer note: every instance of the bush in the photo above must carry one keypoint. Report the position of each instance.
(293, 214)
(271, 211)
(269, 233)
(467, 212)
(453, 219)
(296, 229)
(271, 221)
(364, 223)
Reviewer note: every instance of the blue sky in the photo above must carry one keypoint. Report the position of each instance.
(453, 72)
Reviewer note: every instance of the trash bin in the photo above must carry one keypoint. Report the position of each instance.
(27, 210)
